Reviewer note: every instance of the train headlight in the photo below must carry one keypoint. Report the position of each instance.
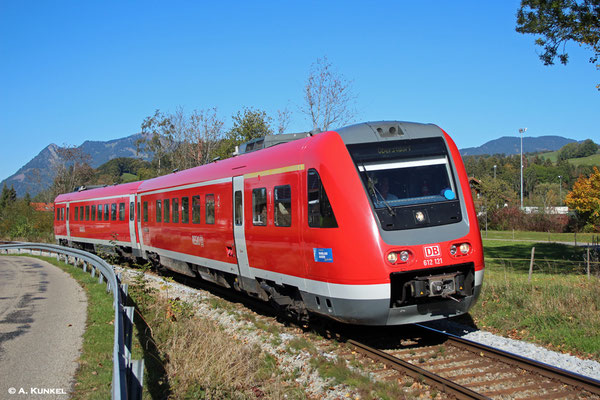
(465, 248)
(392, 257)
(404, 255)
(453, 249)
(420, 216)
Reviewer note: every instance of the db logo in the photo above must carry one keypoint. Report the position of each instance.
(432, 251)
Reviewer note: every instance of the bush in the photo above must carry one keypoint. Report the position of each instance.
(19, 221)
(508, 218)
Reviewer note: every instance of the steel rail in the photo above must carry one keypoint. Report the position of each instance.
(568, 377)
(122, 387)
(418, 373)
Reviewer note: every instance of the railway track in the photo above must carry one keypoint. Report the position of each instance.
(469, 370)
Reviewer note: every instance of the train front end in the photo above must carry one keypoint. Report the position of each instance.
(429, 242)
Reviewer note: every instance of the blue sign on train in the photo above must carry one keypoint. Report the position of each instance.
(323, 255)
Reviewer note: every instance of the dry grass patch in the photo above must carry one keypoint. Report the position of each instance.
(201, 360)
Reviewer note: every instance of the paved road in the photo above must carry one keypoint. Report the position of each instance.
(42, 320)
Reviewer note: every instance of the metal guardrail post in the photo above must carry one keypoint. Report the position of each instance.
(136, 382)
(127, 377)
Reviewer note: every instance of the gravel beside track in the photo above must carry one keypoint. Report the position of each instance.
(535, 352)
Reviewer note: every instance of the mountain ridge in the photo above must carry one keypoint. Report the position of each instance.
(38, 174)
(512, 145)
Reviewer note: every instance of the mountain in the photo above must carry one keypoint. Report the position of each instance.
(512, 145)
(38, 173)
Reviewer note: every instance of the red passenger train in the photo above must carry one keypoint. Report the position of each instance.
(371, 224)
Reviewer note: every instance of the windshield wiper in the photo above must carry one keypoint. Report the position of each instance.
(377, 194)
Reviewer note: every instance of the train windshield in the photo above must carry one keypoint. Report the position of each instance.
(411, 181)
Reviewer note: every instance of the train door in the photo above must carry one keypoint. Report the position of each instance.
(132, 231)
(239, 229)
(140, 237)
(67, 221)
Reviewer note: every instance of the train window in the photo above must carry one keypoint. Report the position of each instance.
(81, 211)
(139, 212)
(121, 211)
(238, 208)
(167, 210)
(62, 214)
(283, 205)
(259, 206)
(93, 212)
(99, 212)
(58, 214)
(87, 213)
(131, 210)
(145, 211)
(185, 210)
(320, 212)
(158, 210)
(76, 214)
(106, 214)
(175, 210)
(113, 212)
(210, 208)
(196, 209)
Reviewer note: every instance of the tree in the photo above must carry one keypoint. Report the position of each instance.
(546, 195)
(72, 170)
(558, 22)
(247, 125)
(157, 138)
(328, 97)
(497, 194)
(577, 150)
(283, 120)
(585, 199)
(7, 197)
(197, 137)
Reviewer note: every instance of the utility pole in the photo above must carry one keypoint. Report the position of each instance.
(560, 190)
(522, 131)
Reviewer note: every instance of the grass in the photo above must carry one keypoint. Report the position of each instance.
(94, 375)
(594, 159)
(561, 312)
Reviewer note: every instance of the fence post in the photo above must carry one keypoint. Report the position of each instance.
(531, 263)
(588, 262)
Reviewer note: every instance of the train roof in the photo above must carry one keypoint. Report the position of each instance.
(379, 131)
(102, 192)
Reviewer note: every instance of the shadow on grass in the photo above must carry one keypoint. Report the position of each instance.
(156, 381)
(552, 258)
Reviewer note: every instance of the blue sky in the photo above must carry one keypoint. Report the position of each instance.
(72, 71)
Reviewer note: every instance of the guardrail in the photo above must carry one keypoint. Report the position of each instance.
(127, 379)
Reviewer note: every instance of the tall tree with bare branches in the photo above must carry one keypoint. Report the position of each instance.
(72, 169)
(328, 97)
